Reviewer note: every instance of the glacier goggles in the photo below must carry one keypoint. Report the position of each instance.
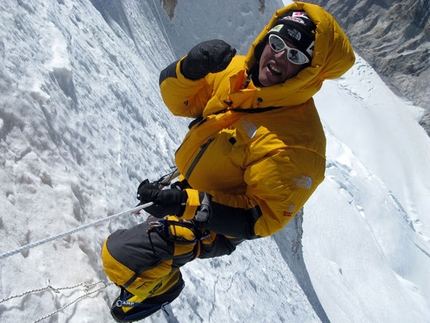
(294, 55)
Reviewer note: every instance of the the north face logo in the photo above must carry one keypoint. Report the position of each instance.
(294, 33)
(303, 182)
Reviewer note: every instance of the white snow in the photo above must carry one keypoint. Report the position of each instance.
(82, 123)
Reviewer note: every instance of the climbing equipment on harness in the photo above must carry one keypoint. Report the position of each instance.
(178, 231)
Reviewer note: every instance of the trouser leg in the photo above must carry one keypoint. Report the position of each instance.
(139, 257)
(144, 259)
(133, 307)
(218, 245)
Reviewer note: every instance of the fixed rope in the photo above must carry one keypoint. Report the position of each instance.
(163, 181)
(87, 288)
(83, 227)
(49, 287)
(88, 293)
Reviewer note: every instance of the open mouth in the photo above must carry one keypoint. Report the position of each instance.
(274, 70)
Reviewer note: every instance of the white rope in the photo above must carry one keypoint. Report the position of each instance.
(83, 227)
(88, 293)
(166, 179)
(54, 289)
(88, 290)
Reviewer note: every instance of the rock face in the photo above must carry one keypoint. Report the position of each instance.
(169, 6)
(394, 37)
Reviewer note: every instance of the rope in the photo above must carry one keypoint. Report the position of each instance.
(75, 301)
(83, 227)
(163, 180)
(55, 290)
(87, 288)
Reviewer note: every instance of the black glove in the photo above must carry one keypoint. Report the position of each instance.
(207, 57)
(166, 202)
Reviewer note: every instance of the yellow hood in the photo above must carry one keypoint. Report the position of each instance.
(333, 54)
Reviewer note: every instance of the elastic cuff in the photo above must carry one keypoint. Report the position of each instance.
(193, 202)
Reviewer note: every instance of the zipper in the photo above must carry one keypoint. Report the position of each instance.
(197, 121)
(198, 157)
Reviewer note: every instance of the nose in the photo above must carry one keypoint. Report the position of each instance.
(282, 55)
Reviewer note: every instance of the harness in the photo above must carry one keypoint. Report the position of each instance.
(181, 232)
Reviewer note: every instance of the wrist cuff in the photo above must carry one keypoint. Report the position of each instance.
(193, 202)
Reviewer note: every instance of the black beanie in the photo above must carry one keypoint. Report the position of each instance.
(297, 28)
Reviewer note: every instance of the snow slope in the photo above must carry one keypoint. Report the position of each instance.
(82, 123)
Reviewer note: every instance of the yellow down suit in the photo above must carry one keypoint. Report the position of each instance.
(258, 151)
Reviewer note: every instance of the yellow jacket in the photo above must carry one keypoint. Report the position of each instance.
(258, 147)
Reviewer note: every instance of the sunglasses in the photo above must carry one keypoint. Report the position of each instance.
(294, 55)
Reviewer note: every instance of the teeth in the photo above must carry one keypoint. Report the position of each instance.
(274, 69)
